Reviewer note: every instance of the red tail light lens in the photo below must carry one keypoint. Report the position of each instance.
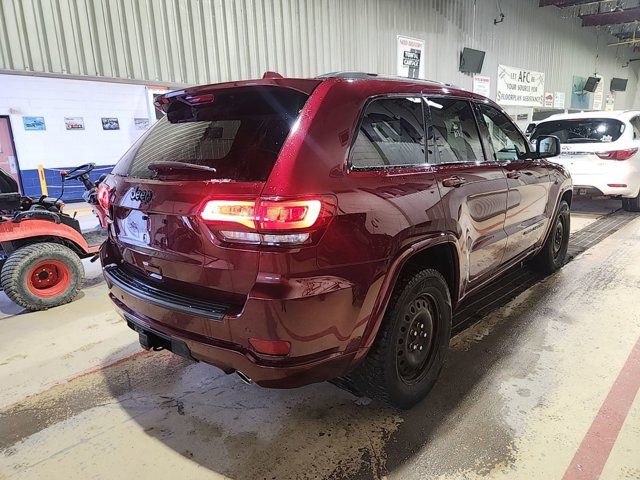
(103, 195)
(270, 347)
(618, 154)
(288, 215)
(273, 222)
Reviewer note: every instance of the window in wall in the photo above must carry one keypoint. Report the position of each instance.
(508, 143)
(452, 136)
(391, 134)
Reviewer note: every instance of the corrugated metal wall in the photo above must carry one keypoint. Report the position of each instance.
(203, 41)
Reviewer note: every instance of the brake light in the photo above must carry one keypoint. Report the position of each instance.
(235, 211)
(270, 222)
(103, 195)
(618, 154)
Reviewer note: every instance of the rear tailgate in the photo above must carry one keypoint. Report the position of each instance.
(160, 236)
(217, 142)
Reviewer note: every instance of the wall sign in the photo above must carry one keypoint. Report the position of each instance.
(410, 57)
(517, 86)
(482, 85)
(558, 100)
(598, 95)
(34, 123)
(609, 103)
(548, 100)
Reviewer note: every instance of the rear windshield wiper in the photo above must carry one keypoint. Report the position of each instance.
(169, 167)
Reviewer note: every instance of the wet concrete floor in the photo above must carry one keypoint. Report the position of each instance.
(517, 397)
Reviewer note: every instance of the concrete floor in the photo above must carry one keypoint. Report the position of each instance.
(543, 387)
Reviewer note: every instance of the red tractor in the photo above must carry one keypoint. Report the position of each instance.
(41, 246)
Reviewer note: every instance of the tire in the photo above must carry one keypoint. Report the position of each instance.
(554, 251)
(631, 204)
(394, 371)
(42, 275)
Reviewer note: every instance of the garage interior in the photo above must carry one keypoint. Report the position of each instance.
(541, 380)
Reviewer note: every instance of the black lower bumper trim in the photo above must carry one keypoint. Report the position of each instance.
(174, 301)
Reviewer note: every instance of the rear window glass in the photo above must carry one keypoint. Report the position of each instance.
(593, 130)
(239, 134)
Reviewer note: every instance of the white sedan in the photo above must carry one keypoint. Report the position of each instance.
(601, 151)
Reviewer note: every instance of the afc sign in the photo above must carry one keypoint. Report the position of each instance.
(523, 76)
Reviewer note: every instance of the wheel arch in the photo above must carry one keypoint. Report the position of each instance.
(14, 235)
(439, 253)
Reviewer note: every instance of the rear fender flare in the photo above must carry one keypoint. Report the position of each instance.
(389, 283)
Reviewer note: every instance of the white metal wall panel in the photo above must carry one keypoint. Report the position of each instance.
(203, 41)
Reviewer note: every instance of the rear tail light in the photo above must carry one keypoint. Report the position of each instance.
(618, 154)
(269, 222)
(103, 195)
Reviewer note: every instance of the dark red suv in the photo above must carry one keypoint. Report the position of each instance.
(300, 230)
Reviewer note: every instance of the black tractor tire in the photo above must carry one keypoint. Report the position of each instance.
(394, 370)
(42, 275)
(631, 204)
(554, 251)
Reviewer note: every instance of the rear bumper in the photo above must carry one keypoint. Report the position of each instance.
(322, 329)
(231, 358)
(599, 185)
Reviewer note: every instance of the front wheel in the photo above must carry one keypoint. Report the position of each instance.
(42, 275)
(554, 251)
(410, 348)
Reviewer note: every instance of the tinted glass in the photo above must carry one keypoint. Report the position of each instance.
(452, 135)
(592, 130)
(635, 123)
(506, 140)
(391, 134)
(239, 134)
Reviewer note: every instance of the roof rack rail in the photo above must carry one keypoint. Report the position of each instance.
(373, 76)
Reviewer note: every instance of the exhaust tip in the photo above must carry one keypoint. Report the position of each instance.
(245, 378)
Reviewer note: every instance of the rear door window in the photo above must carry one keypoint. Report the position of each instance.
(452, 136)
(238, 135)
(391, 134)
(589, 130)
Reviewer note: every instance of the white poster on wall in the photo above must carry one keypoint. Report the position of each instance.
(517, 86)
(482, 85)
(548, 100)
(410, 61)
(558, 100)
(598, 95)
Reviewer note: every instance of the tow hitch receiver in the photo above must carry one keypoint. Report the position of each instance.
(152, 340)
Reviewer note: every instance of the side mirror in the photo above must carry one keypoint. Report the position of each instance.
(547, 146)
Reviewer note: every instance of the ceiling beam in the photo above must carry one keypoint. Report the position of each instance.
(611, 18)
(563, 3)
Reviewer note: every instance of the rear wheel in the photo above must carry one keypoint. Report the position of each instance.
(631, 204)
(410, 349)
(554, 252)
(42, 275)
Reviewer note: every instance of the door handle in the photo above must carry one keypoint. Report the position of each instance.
(513, 174)
(453, 182)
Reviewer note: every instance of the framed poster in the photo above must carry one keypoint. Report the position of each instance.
(141, 123)
(74, 123)
(517, 86)
(110, 123)
(33, 123)
(410, 57)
